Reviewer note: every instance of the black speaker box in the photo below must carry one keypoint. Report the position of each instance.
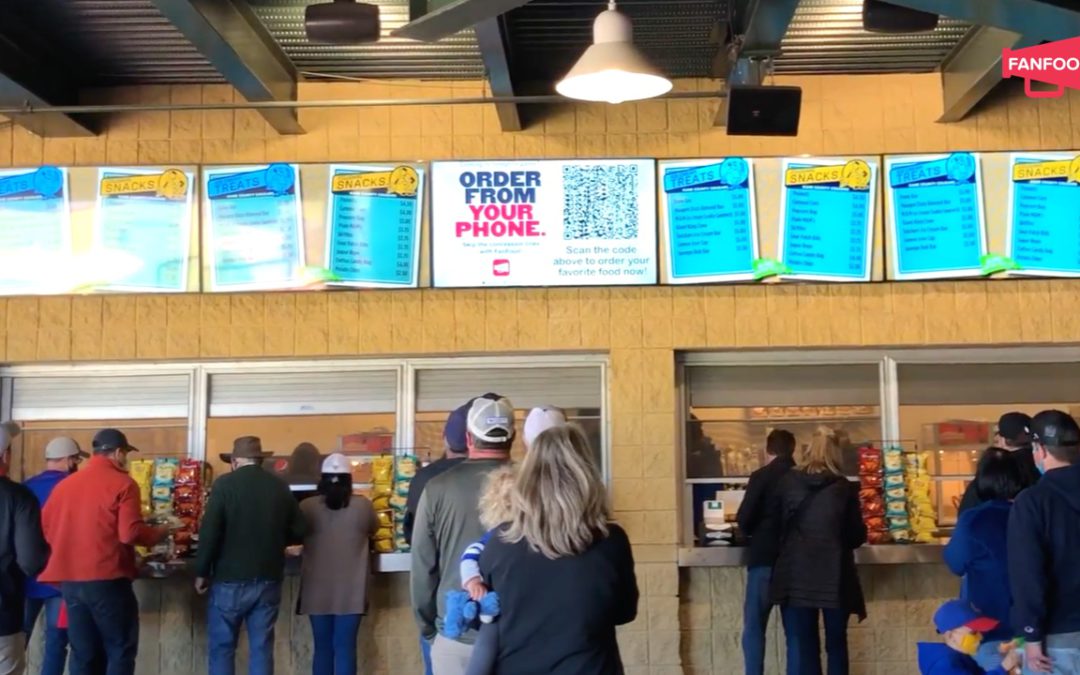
(342, 22)
(763, 111)
(883, 17)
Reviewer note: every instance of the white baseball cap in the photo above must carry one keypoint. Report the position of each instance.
(487, 415)
(63, 447)
(540, 420)
(336, 463)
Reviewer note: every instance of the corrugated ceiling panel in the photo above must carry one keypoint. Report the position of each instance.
(116, 41)
(826, 36)
(456, 57)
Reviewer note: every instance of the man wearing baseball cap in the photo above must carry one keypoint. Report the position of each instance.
(447, 521)
(962, 627)
(23, 552)
(1044, 549)
(1013, 434)
(93, 522)
(62, 458)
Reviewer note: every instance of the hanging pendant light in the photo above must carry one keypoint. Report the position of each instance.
(612, 69)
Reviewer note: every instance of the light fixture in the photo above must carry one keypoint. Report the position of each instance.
(612, 69)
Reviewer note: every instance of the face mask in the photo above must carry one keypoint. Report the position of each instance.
(969, 644)
(1040, 465)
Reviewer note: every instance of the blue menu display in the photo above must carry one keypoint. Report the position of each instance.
(254, 235)
(374, 231)
(827, 219)
(936, 216)
(145, 216)
(34, 229)
(1044, 213)
(711, 228)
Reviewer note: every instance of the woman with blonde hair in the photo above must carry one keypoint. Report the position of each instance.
(821, 526)
(562, 568)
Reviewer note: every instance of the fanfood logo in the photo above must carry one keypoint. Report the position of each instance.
(1055, 63)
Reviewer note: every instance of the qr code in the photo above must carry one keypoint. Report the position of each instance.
(600, 202)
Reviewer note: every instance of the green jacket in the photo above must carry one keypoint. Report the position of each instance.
(250, 518)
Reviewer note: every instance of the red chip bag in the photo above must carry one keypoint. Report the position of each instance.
(869, 494)
(872, 481)
(186, 493)
(875, 507)
(875, 524)
(877, 537)
(62, 618)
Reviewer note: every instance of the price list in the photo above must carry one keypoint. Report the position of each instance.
(33, 227)
(711, 230)
(936, 216)
(373, 239)
(1044, 235)
(827, 232)
(255, 233)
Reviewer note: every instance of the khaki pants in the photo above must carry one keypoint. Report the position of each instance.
(448, 657)
(12, 651)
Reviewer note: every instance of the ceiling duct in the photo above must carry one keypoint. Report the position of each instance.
(342, 22)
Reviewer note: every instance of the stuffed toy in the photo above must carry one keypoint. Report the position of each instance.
(462, 612)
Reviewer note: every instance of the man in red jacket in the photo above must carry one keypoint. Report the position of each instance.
(93, 521)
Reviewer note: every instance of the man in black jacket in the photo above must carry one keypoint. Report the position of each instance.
(758, 520)
(23, 554)
(1013, 435)
(1044, 549)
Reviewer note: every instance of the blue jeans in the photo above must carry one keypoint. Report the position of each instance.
(804, 642)
(425, 651)
(335, 643)
(252, 603)
(103, 627)
(756, 610)
(54, 660)
(1065, 660)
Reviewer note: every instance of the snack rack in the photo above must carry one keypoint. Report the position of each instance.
(894, 493)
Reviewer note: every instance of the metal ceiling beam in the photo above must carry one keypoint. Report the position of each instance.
(231, 37)
(760, 26)
(444, 18)
(491, 40)
(1035, 19)
(26, 82)
(974, 69)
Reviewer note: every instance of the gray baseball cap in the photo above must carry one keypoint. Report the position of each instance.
(63, 447)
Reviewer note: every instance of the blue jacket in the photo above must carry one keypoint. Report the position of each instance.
(936, 658)
(978, 551)
(1044, 556)
(42, 486)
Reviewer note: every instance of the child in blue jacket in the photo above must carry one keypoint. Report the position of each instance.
(962, 628)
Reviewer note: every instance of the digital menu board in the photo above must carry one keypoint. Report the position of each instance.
(1044, 214)
(35, 236)
(253, 227)
(373, 225)
(827, 219)
(142, 227)
(934, 215)
(709, 220)
(578, 222)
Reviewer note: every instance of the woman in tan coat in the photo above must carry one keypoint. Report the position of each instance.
(336, 567)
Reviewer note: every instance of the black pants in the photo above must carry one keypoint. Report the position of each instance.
(103, 627)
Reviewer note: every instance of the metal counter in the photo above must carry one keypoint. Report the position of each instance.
(887, 554)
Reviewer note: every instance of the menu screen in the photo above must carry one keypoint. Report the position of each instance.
(1044, 213)
(374, 225)
(827, 226)
(543, 223)
(709, 220)
(253, 229)
(935, 217)
(35, 237)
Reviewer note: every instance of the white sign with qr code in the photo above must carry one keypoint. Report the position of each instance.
(543, 223)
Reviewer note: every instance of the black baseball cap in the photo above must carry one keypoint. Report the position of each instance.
(1014, 426)
(112, 439)
(1055, 428)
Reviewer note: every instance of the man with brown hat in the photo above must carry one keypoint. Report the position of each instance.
(250, 518)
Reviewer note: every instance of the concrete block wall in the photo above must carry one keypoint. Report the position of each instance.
(641, 328)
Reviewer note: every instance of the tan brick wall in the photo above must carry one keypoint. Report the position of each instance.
(640, 328)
